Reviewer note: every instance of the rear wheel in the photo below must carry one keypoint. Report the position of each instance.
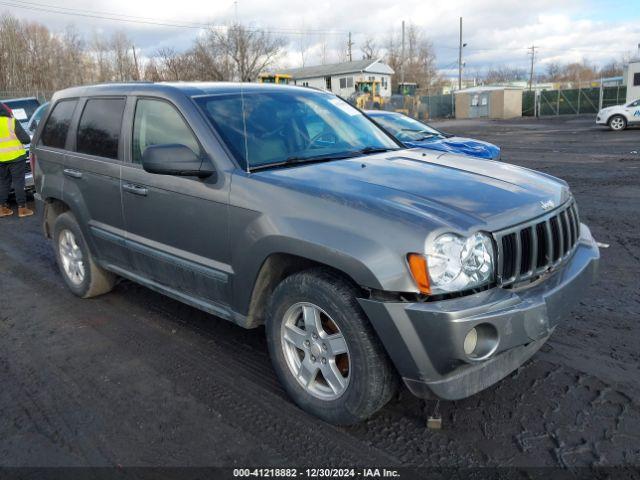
(324, 350)
(617, 123)
(78, 268)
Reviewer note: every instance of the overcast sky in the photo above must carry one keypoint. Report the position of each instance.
(497, 32)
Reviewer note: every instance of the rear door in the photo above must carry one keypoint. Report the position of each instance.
(176, 226)
(92, 175)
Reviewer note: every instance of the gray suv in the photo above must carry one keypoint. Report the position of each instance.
(367, 263)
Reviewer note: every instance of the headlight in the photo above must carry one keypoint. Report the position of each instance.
(456, 263)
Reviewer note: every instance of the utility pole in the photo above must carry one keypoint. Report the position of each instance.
(135, 62)
(349, 45)
(532, 52)
(460, 58)
(402, 58)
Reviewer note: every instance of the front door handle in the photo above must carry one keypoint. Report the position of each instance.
(135, 189)
(69, 172)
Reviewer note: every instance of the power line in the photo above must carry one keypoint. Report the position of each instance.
(103, 15)
(150, 21)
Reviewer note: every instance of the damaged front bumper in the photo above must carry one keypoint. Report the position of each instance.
(425, 340)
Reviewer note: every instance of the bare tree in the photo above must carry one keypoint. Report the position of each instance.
(612, 69)
(248, 51)
(370, 49)
(419, 62)
(171, 64)
(323, 51)
(572, 73)
(504, 74)
(152, 72)
(210, 62)
(123, 64)
(553, 71)
(303, 47)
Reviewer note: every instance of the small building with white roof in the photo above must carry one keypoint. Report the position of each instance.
(342, 78)
(489, 102)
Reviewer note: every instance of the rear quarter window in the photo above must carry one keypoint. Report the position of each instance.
(54, 133)
(100, 126)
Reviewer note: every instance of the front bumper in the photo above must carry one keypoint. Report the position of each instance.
(425, 340)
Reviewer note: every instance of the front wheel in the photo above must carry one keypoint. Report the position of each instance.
(617, 123)
(324, 350)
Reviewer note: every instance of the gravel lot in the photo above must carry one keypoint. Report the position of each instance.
(134, 378)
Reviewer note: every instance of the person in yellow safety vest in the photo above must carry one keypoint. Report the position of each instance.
(13, 158)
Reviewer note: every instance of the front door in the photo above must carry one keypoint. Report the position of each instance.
(177, 227)
(633, 112)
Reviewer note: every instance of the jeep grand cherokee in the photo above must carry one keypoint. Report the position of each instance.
(281, 206)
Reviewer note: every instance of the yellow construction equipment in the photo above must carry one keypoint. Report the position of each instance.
(277, 78)
(368, 94)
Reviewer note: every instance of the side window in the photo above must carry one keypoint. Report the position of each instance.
(55, 131)
(636, 79)
(99, 128)
(157, 122)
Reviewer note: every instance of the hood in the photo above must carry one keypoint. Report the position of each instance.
(461, 145)
(612, 109)
(456, 190)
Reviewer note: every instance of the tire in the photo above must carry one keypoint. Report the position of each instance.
(368, 378)
(617, 123)
(68, 238)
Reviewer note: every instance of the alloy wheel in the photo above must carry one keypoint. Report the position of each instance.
(617, 123)
(71, 257)
(316, 351)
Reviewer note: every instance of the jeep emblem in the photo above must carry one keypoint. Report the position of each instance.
(547, 204)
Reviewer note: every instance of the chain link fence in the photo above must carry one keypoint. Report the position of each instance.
(573, 101)
(423, 107)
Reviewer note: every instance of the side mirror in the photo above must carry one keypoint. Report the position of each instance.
(176, 159)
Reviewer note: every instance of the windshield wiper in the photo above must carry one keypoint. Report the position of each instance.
(296, 160)
(370, 150)
(424, 137)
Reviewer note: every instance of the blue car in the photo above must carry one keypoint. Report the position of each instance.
(415, 134)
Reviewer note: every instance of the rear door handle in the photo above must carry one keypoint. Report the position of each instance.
(135, 189)
(69, 172)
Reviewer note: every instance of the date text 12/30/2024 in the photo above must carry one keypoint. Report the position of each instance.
(316, 473)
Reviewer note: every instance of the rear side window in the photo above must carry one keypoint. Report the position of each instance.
(99, 128)
(158, 123)
(54, 133)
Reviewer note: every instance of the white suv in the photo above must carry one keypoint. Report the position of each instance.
(620, 117)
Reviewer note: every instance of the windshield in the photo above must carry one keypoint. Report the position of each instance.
(405, 128)
(22, 109)
(272, 128)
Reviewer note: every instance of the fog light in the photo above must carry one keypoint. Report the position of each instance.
(470, 341)
(481, 342)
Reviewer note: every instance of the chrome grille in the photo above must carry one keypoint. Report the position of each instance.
(527, 250)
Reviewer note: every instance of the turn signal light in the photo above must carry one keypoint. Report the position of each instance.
(418, 267)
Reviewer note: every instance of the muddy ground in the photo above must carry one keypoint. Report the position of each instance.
(134, 378)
